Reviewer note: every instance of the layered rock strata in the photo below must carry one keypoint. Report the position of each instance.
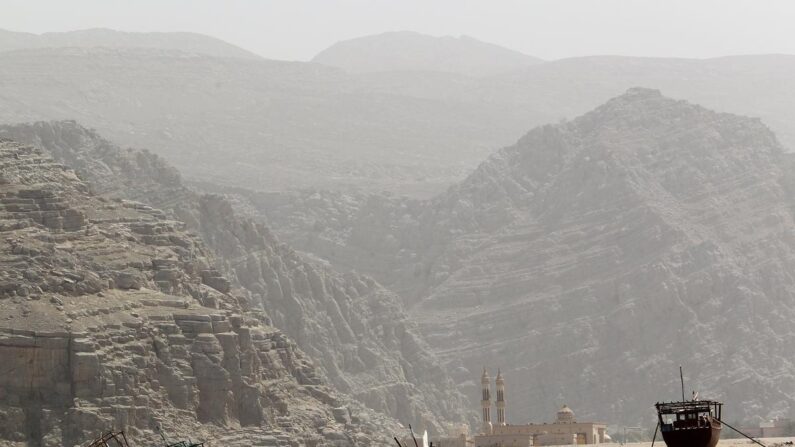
(112, 316)
(356, 332)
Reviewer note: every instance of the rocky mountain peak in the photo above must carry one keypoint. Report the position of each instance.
(640, 133)
(642, 92)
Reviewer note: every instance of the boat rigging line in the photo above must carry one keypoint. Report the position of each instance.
(738, 431)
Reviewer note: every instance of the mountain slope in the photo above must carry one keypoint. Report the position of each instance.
(593, 257)
(356, 332)
(190, 43)
(112, 316)
(410, 51)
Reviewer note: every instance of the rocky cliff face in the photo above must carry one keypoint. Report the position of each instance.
(356, 332)
(592, 258)
(112, 315)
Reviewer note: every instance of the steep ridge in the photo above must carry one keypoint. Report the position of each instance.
(592, 258)
(112, 315)
(190, 43)
(411, 51)
(356, 332)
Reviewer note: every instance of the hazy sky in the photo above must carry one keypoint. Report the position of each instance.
(551, 29)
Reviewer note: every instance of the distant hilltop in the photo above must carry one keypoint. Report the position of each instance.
(108, 38)
(411, 51)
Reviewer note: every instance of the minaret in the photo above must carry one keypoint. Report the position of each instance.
(485, 403)
(500, 398)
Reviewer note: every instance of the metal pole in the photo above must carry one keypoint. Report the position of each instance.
(656, 427)
(398, 442)
(682, 379)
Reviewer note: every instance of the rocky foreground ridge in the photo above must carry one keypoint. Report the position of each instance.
(112, 315)
(356, 332)
(592, 258)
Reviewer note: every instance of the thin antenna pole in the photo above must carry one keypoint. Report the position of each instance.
(412, 436)
(398, 442)
(682, 379)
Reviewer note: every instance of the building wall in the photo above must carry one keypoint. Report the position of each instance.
(460, 441)
(548, 434)
(504, 440)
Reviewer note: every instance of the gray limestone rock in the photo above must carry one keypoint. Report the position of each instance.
(94, 345)
(356, 332)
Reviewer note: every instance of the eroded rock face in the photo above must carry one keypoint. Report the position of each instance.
(118, 320)
(356, 331)
(592, 258)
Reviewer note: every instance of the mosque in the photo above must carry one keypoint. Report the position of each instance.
(564, 431)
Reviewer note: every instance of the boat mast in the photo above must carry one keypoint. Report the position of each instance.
(682, 379)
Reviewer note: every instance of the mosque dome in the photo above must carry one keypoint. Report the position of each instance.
(565, 415)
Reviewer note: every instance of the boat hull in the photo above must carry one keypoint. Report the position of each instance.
(692, 437)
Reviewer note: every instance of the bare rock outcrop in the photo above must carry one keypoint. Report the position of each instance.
(356, 332)
(110, 319)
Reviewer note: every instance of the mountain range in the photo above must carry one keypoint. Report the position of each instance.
(276, 126)
(590, 259)
(379, 259)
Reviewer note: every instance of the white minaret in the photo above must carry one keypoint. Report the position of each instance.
(500, 399)
(485, 403)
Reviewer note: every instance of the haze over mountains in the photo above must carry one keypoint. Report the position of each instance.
(383, 245)
(410, 51)
(191, 43)
(273, 125)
